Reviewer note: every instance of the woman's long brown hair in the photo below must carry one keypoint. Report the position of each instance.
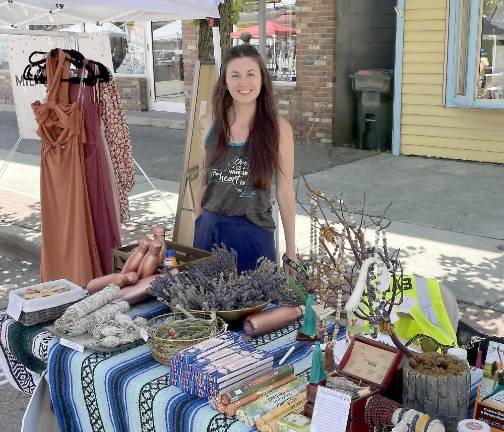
(263, 139)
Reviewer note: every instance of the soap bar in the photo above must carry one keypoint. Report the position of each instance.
(294, 423)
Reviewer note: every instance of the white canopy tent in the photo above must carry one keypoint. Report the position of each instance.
(17, 13)
(169, 31)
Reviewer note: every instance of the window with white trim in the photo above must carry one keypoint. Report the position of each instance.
(475, 72)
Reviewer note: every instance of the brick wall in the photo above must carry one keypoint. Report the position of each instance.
(5, 88)
(133, 92)
(308, 104)
(315, 68)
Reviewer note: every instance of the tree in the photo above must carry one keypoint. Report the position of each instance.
(205, 41)
(229, 12)
(490, 7)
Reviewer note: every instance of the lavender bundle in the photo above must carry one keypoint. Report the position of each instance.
(216, 285)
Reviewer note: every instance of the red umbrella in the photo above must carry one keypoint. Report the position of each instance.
(272, 29)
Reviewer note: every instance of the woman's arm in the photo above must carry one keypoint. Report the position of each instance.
(285, 186)
(199, 191)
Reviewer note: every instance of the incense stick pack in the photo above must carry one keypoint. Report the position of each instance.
(206, 347)
(268, 401)
(244, 389)
(206, 368)
(221, 379)
(268, 421)
(215, 402)
(232, 408)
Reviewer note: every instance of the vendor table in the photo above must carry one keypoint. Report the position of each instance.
(129, 391)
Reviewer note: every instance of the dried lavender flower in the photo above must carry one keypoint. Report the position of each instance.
(216, 285)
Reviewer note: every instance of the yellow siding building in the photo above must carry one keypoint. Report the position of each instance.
(427, 126)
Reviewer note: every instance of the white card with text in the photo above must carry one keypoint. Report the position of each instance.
(330, 413)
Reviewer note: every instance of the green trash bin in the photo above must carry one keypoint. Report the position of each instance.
(373, 91)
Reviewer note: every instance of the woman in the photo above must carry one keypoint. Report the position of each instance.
(245, 144)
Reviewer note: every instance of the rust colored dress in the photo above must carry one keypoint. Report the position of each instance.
(68, 248)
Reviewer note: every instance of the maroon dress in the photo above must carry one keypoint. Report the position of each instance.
(98, 180)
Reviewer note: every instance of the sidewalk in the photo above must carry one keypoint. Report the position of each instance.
(141, 118)
(447, 219)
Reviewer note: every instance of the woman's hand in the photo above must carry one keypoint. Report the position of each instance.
(289, 261)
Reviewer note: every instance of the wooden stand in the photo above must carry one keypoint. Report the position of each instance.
(443, 397)
(184, 255)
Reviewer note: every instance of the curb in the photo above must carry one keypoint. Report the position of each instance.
(22, 241)
(155, 122)
(131, 117)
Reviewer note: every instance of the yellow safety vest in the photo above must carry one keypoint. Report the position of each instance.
(429, 313)
(428, 316)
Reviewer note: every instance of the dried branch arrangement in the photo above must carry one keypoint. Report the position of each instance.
(216, 285)
(342, 265)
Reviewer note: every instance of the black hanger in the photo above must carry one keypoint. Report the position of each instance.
(95, 70)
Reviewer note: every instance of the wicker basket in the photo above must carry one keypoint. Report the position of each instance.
(43, 309)
(164, 348)
(44, 315)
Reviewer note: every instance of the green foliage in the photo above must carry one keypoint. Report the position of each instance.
(491, 6)
(237, 8)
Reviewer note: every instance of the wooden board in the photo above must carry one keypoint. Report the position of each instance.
(201, 104)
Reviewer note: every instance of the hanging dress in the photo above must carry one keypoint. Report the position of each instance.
(117, 135)
(68, 248)
(98, 179)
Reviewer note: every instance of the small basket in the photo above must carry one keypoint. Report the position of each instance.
(44, 315)
(164, 348)
(43, 309)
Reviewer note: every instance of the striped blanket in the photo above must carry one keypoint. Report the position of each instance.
(23, 350)
(123, 391)
(23, 353)
(129, 391)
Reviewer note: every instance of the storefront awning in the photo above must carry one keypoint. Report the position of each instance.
(32, 12)
(272, 29)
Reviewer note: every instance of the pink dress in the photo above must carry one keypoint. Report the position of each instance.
(68, 248)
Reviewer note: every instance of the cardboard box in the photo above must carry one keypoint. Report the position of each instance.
(367, 362)
(184, 255)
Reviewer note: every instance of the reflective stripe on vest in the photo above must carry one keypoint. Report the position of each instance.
(424, 301)
(429, 315)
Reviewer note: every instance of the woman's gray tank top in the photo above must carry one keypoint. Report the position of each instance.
(229, 190)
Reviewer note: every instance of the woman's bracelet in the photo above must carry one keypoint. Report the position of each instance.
(293, 265)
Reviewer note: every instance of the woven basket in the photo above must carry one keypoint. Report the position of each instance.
(44, 315)
(164, 348)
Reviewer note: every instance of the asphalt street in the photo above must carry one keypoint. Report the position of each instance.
(160, 151)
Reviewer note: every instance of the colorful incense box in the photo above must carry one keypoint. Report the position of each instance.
(294, 423)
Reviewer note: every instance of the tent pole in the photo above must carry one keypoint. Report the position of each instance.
(6, 163)
(154, 188)
(262, 29)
